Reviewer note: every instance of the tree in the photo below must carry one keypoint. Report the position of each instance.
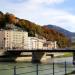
(10, 18)
(2, 20)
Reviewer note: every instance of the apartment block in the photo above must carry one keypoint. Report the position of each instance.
(10, 39)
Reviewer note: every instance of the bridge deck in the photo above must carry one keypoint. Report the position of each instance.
(40, 50)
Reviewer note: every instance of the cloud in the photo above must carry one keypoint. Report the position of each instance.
(17, 1)
(37, 1)
(35, 11)
(61, 18)
(48, 1)
(31, 5)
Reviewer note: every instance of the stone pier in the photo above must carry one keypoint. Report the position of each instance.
(38, 56)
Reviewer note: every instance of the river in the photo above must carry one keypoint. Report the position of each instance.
(23, 68)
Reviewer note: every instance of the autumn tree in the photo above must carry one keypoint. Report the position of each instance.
(2, 20)
(10, 18)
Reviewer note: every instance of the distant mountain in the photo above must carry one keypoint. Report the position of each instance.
(61, 30)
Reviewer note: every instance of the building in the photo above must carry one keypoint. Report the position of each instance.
(10, 39)
(73, 42)
(35, 43)
(73, 39)
(50, 45)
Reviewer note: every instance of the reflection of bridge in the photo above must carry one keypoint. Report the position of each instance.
(38, 54)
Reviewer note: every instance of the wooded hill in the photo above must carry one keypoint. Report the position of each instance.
(32, 29)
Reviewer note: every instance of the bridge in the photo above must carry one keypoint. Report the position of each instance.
(41, 50)
(38, 54)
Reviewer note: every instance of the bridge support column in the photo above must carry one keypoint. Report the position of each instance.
(38, 56)
(74, 58)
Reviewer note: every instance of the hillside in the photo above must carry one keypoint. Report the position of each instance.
(61, 30)
(10, 21)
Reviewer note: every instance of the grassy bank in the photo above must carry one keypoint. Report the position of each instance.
(68, 54)
(65, 55)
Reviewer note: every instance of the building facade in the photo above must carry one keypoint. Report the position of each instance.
(73, 39)
(50, 45)
(10, 39)
(35, 43)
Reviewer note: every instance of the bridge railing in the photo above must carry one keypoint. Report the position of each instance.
(40, 69)
(44, 48)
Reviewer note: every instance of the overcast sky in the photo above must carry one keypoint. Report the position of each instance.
(43, 12)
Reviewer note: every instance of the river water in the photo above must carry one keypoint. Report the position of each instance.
(23, 68)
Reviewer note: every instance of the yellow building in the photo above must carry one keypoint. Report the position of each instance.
(10, 39)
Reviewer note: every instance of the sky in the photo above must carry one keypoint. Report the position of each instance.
(43, 12)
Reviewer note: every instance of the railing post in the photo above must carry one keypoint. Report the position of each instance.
(37, 69)
(14, 70)
(65, 68)
(53, 67)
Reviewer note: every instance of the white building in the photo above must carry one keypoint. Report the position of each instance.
(10, 39)
(50, 45)
(35, 43)
(73, 39)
